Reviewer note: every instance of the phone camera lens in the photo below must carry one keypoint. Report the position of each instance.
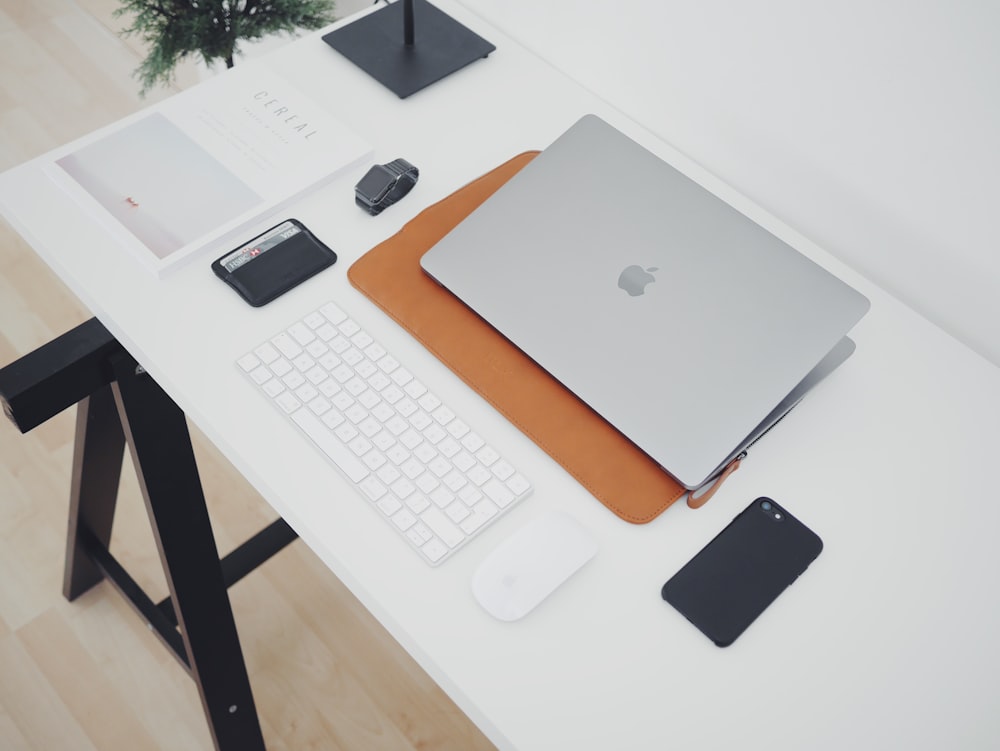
(766, 506)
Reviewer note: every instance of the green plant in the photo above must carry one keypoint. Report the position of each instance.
(174, 29)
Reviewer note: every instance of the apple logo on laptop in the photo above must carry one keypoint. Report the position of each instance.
(634, 279)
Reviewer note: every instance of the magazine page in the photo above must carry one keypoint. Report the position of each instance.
(206, 163)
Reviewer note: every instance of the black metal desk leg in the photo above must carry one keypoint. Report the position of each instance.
(168, 476)
(98, 451)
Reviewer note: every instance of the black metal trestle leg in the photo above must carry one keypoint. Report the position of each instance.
(120, 405)
(158, 438)
(98, 450)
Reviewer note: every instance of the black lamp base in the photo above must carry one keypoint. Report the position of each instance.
(376, 43)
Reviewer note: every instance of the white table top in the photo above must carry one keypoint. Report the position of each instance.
(889, 640)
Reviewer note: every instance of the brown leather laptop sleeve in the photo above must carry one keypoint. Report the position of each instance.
(617, 473)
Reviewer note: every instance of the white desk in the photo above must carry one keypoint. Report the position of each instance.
(889, 640)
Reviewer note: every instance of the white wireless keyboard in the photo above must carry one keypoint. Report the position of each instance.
(433, 478)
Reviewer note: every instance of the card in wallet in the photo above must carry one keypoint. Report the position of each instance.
(273, 262)
(611, 467)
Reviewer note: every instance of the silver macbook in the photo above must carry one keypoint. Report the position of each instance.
(687, 326)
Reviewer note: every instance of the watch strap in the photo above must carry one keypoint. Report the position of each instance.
(405, 177)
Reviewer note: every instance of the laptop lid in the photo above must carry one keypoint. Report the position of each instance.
(674, 316)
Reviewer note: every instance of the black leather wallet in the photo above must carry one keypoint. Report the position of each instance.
(274, 262)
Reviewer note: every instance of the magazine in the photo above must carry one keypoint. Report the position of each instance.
(205, 164)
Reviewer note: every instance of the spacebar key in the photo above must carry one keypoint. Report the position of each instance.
(329, 445)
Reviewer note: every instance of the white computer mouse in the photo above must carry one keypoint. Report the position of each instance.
(530, 564)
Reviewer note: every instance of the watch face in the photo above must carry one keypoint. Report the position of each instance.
(375, 183)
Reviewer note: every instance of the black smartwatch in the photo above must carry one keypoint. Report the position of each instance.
(384, 184)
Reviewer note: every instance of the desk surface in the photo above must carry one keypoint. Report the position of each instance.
(889, 640)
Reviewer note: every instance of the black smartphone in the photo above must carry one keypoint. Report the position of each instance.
(742, 570)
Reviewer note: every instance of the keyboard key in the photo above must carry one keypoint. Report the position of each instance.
(374, 352)
(497, 492)
(306, 392)
(316, 375)
(342, 400)
(428, 401)
(349, 328)
(482, 512)
(389, 505)
(419, 419)
(406, 407)
(388, 474)
(418, 534)
(316, 348)
(281, 367)
(464, 461)
(361, 340)
(435, 550)
(457, 511)
(412, 468)
(301, 333)
(319, 406)
(502, 469)
(397, 454)
(518, 485)
(414, 388)
(373, 488)
(332, 419)
(374, 460)
(487, 455)
(435, 434)
(314, 320)
(333, 313)
(286, 345)
(402, 488)
(473, 442)
(378, 381)
(273, 387)
(470, 495)
(388, 364)
(404, 519)
(326, 332)
(267, 353)
(442, 497)
(479, 475)
(400, 375)
(248, 362)
(427, 482)
(455, 481)
(417, 503)
(443, 415)
(457, 428)
(449, 447)
(287, 402)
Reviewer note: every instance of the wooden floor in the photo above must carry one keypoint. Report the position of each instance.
(88, 674)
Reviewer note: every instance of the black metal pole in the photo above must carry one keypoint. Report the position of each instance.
(408, 23)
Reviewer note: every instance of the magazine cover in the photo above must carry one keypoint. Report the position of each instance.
(205, 164)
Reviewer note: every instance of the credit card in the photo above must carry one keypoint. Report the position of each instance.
(260, 245)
